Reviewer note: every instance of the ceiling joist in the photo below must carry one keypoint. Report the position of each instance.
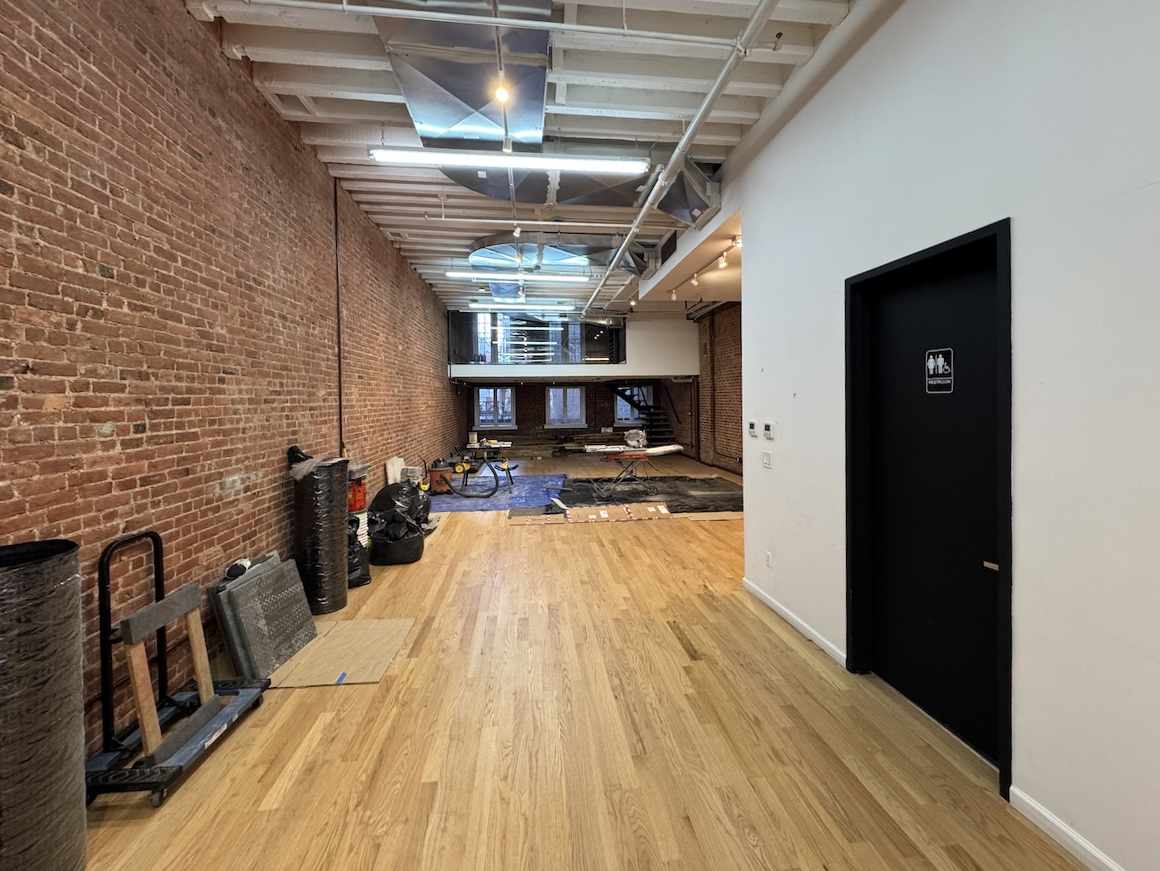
(624, 76)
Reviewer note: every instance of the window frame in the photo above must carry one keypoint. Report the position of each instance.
(495, 426)
(635, 422)
(582, 424)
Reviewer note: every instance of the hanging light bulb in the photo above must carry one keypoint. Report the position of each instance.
(502, 94)
(696, 281)
(723, 262)
(736, 241)
(517, 231)
(673, 294)
(632, 303)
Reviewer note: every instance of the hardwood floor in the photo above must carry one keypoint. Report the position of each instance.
(581, 697)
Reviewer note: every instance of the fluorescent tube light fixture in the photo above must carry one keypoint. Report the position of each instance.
(523, 306)
(547, 278)
(499, 160)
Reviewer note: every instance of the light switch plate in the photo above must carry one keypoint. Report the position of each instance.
(767, 459)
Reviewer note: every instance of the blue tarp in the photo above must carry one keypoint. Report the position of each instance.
(529, 491)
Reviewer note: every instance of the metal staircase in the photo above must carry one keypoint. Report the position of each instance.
(654, 420)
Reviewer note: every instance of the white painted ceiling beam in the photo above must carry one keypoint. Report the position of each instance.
(604, 102)
(244, 12)
(329, 110)
(376, 86)
(795, 47)
(354, 51)
(828, 12)
(795, 11)
(641, 130)
(475, 227)
(667, 74)
(641, 14)
(409, 173)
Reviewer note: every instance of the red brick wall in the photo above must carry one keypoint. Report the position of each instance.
(167, 303)
(600, 411)
(719, 406)
(397, 399)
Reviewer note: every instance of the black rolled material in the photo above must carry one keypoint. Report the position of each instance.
(42, 737)
(320, 535)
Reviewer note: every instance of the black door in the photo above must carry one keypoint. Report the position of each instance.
(933, 478)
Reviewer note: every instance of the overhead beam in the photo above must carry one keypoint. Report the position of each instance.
(795, 46)
(318, 16)
(602, 102)
(795, 11)
(662, 74)
(207, 9)
(282, 45)
(375, 86)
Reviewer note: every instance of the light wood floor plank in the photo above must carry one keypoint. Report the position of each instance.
(582, 697)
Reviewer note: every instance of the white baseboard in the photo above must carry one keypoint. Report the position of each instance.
(1088, 853)
(795, 621)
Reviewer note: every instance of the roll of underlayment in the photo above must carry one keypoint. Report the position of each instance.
(42, 740)
(320, 534)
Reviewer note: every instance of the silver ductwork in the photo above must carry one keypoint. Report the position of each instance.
(448, 73)
(693, 199)
(551, 252)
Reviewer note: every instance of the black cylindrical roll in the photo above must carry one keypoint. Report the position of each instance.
(320, 535)
(42, 735)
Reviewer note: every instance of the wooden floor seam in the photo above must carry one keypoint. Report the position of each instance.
(585, 696)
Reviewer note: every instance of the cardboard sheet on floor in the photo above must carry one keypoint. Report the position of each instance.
(617, 513)
(596, 514)
(344, 652)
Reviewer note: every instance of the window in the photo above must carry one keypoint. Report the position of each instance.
(495, 408)
(565, 407)
(506, 338)
(626, 413)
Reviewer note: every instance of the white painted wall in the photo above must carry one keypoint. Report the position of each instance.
(954, 115)
(655, 347)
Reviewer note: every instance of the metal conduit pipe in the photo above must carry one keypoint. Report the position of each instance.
(740, 49)
(526, 24)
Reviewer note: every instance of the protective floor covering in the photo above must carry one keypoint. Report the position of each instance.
(344, 652)
(680, 493)
(528, 492)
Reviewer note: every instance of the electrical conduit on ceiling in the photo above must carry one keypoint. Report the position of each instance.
(741, 48)
(526, 24)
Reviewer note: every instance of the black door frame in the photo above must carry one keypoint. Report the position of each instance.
(859, 575)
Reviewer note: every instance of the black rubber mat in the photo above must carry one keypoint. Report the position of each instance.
(682, 494)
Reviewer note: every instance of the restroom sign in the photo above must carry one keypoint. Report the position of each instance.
(940, 370)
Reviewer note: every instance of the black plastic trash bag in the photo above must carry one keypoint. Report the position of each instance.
(405, 550)
(358, 567)
(396, 518)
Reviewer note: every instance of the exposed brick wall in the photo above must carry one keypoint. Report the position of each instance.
(167, 304)
(719, 401)
(397, 399)
(532, 412)
(600, 411)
